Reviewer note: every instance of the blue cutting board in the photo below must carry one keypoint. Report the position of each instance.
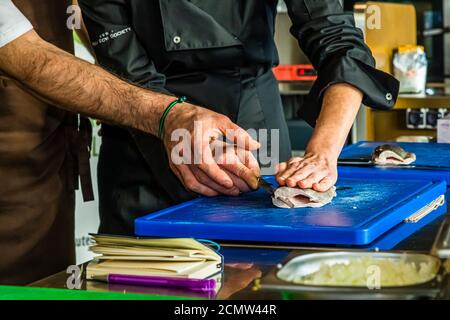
(428, 154)
(362, 211)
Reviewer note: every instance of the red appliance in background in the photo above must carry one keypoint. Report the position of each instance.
(295, 72)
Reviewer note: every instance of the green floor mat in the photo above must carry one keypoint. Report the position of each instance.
(29, 293)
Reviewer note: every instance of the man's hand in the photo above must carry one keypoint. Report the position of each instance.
(236, 162)
(318, 168)
(204, 163)
(315, 170)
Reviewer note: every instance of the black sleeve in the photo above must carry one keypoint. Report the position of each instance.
(336, 48)
(116, 46)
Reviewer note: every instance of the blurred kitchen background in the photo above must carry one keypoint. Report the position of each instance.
(420, 26)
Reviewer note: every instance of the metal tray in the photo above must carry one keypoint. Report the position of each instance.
(308, 263)
(441, 246)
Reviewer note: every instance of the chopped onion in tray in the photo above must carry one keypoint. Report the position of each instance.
(356, 272)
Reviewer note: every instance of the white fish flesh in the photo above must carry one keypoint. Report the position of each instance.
(286, 197)
(390, 154)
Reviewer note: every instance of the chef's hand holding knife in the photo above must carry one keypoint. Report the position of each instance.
(213, 175)
(317, 169)
(212, 166)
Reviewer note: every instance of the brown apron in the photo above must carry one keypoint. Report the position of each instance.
(39, 165)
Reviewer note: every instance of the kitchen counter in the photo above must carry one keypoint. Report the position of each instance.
(246, 262)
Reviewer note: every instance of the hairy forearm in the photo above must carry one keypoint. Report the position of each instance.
(339, 109)
(78, 86)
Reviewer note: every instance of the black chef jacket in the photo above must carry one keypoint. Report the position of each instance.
(219, 54)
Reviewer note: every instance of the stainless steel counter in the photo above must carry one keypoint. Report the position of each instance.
(246, 262)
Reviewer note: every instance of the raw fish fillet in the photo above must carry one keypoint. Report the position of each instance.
(392, 154)
(286, 197)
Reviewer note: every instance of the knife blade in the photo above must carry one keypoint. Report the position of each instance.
(268, 187)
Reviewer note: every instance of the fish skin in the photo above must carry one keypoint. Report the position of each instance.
(284, 196)
(383, 155)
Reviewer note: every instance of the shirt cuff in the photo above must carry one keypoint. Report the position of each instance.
(15, 31)
(379, 88)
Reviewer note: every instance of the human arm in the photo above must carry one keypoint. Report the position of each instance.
(78, 86)
(346, 76)
(118, 48)
(318, 168)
